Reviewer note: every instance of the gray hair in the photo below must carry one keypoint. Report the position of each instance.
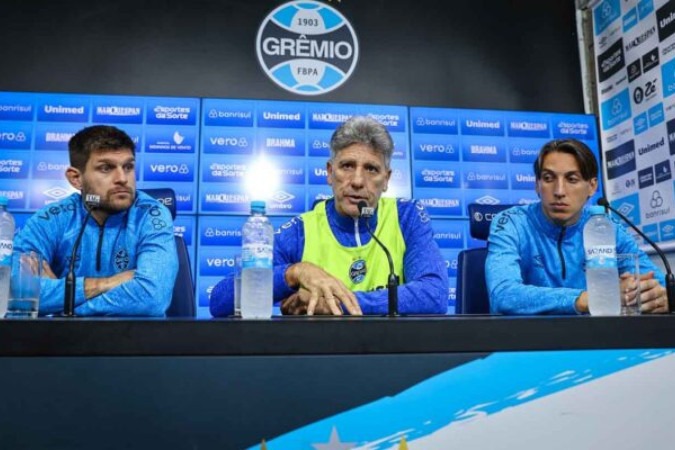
(362, 130)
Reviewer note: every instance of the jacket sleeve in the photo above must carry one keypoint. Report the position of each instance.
(426, 278)
(503, 275)
(149, 292)
(289, 243)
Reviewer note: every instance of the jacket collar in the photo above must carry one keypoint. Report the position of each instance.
(346, 223)
(553, 230)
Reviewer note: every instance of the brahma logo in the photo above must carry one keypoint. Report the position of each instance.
(307, 48)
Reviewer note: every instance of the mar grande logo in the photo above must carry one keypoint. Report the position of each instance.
(307, 47)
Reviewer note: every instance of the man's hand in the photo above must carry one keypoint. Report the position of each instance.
(653, 297)
(628, 289)
(98, 286)
(320, 284)
(47, 271)
(296, 304)
(581, 303)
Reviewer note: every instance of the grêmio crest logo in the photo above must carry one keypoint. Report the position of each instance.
(307, 47)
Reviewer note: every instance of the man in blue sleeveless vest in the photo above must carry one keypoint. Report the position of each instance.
(325, 260)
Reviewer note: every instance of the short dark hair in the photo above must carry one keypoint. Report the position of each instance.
(363, 130)
(588, 165)
(96, 138)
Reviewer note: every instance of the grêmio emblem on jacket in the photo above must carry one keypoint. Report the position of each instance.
(357, 271)
(122, 259)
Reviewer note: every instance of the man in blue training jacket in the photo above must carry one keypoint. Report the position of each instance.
(127, 261)
(325, 262)
(536, 259)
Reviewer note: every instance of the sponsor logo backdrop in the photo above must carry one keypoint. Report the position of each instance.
(633, 43)
(202, 148)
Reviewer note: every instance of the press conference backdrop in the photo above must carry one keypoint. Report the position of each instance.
(202, 148)
(633, 43)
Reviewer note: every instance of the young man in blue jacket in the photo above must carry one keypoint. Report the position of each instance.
(325, 261)
(127, 261)
(536, 259)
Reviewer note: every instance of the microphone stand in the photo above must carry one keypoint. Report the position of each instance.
(670, 278)
(91, 201)
(392, 281)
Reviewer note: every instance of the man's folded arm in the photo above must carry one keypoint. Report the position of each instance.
(149, 292)
(506, 289)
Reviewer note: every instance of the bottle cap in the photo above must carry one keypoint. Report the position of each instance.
(258, 206)
(3, 200)
(597, 210)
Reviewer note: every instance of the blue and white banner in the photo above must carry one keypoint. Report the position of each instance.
(204, 149)
(634, 45)
(486, 156)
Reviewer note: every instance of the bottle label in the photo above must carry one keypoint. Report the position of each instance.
(601, 257)
(6, 247)
(256, 256)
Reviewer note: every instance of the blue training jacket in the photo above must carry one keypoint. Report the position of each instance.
(425, 272)
(140, 239)
(536, 267)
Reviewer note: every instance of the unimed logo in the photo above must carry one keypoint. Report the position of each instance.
(671, 135)
(307, 47)
(665, 18)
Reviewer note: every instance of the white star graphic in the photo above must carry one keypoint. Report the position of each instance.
(334, 443)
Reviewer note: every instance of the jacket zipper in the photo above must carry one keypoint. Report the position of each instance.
(560, 252)
(101, 228)
(357, 232)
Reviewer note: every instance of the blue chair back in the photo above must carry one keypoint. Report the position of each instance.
(472, 295)
(183, 298)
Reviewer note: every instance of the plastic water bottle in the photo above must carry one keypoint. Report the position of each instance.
(602, 273)
(257, 238)
(6, 247)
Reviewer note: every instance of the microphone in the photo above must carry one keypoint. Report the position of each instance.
(670, 278)
(91, 201)
(367, 212)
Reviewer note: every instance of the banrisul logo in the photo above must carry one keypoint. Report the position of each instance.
(307, 48)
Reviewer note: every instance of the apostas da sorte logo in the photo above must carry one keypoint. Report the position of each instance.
(307, 47)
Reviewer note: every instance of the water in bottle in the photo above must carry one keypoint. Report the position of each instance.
(256, 264)
(602, 274)
(6, 246)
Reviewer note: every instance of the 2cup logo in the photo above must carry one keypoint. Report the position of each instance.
(307, 48)
(641, 93)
